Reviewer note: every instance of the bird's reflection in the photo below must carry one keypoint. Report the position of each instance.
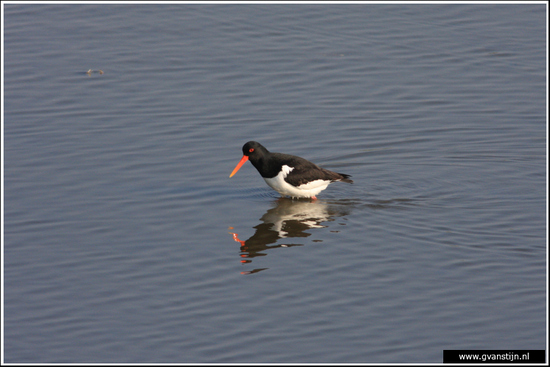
(287, 219)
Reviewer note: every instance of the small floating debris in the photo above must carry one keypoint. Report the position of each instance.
(90, 72)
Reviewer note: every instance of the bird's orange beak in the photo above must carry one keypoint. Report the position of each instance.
(239, 165)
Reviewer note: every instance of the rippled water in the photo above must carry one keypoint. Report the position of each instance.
(126, 241)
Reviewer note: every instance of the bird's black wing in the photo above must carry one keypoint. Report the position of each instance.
(305, 171)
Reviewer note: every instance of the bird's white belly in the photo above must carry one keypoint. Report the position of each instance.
(308, 190)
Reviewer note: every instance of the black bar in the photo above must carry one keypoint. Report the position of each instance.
(494, 356)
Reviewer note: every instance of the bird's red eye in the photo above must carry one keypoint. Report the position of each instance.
(250, 150)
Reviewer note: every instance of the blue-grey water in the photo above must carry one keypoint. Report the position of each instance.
(125, 240)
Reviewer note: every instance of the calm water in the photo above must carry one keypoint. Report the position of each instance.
(126, 241)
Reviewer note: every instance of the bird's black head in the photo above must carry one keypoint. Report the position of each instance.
(253, 149)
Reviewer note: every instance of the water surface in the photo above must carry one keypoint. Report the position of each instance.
(126, 241)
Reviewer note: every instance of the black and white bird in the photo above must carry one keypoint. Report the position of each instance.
(288, 174)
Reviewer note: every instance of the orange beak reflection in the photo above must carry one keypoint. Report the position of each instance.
(239, 165)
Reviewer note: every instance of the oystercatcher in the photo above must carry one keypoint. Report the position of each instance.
(288, 174)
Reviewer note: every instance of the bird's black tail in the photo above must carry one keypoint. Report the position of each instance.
(345, 178)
